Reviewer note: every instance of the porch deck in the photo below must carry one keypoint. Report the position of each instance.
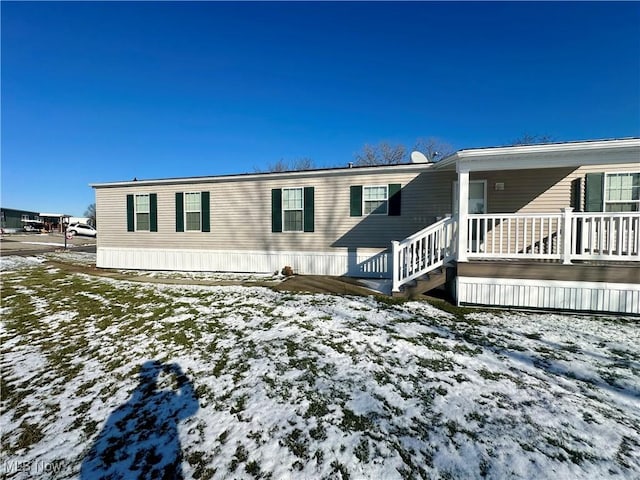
(530, 269)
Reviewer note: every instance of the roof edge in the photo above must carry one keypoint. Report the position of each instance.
(557, 147)
(269, 175)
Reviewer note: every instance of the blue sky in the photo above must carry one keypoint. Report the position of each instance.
(95, 92)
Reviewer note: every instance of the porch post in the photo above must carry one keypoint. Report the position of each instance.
(566, 235)
(463, 212)
(395, 266)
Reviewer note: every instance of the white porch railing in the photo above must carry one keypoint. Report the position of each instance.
(607, 236)
(509, 235)
(423, 252)
(563, 236)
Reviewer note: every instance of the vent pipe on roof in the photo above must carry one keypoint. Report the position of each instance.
(350, 164)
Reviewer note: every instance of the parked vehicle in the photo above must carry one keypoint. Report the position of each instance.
(81, 229)
(33, 227)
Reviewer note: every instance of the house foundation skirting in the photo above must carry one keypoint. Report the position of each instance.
(549, 294)
(352, 262)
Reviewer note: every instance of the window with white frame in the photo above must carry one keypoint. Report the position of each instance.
(292, 210)
(192, 212)
(622, 192)
(375, 200)
(142, 213)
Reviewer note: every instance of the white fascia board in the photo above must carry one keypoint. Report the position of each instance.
(575, 154)
(390, 169)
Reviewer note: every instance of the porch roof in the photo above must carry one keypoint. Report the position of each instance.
(550, 155)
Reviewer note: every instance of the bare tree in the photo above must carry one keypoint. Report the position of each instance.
(282, 165)
(433, 148)
(90, 213)
(304, 163)
(528, 139)
(382, 153)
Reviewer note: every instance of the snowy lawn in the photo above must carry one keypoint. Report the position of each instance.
(132, 380)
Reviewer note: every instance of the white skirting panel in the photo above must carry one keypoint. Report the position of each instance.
(549, 294)
(352, 263)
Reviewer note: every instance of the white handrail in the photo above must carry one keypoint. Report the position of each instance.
(423, 252)
(563, 236)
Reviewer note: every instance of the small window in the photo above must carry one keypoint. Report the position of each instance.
(192, 211)
(375, 200)
(622, 192)
(292, 209)
(142, 213)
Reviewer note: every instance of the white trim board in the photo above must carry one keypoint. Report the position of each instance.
(549, 294)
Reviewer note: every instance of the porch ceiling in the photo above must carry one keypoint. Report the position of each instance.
(573, 154)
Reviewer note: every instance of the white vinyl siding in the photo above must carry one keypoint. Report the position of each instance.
(622, 192)
(292, 210)
(142, 213)
(192, 212)
(375, 200)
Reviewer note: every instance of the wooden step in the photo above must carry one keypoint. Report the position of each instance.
(428, 282)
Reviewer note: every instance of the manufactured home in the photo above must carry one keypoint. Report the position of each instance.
(541, 226)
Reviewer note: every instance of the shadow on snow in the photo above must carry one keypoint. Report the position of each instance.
(140, 439)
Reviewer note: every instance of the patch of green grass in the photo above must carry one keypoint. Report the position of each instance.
(533, 336)
(476, 417)
(462, 349)
(625, 453)
(339, 468)
(576, 456)
(436, 364)
(198, 461)
(222, 438)
(354, 422)
(239, 405)
(30, 434)
(220, 364)
(461, 378)
(361, 451)
(240, 456)
(571, 347)
(297, 443)
(317, 408)
(454, 427)
(318, 433)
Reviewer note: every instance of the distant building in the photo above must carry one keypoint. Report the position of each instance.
(13, 220)
(55, 222)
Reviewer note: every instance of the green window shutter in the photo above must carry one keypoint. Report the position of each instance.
(308, 209)
(355, 201)
(276, 210)
(395, 199)
(130, 214)
(594, 190)
(153, 212)
(206, 211)
(576, 195)
(179, 212)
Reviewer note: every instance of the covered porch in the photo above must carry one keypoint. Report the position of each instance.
(537, 251)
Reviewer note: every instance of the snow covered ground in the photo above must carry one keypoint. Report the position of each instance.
(105, 377)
